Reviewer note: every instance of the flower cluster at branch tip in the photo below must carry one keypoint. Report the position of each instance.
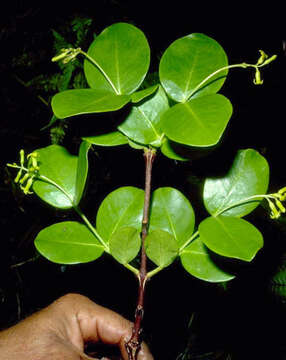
(262, 61)
(26, 175)
(67, 55)
(276, 206)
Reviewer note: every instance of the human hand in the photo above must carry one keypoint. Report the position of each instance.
(60, 331)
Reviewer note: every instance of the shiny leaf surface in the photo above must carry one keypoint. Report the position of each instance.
(248, 176)
(231, 237)
(142, 125)
(125, 244)
(187, 62)
(86, 101)
(197, 261)
(161, 247)
(121, 208)
(82, 171)
(123, 53)
(60, 166)
(199, 122)
(68, 242)
(171, 211)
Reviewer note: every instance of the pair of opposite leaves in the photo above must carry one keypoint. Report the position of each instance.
(122, 54)
(172, 218)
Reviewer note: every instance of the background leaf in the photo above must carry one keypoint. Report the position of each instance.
(82, 171)
(142, 125)
(114, 138)
(248, 176)
(187, 62)
(197, 261)
(123, 207)
(86, 101)
(122, 51)
(231, 237)
(161, 247)
(60, 166)
(171, 211)
(125, 244)
(199, 122)
(68, 242)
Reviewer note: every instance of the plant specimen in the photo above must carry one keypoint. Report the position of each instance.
(183, 110)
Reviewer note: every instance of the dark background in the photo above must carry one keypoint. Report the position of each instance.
(246, 319)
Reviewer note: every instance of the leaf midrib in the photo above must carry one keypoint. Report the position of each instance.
(122, 215)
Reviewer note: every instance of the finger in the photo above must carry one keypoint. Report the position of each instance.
(97, 323)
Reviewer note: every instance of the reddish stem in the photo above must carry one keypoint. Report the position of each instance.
(134, 343)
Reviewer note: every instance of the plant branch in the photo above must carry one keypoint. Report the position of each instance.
(134, 343)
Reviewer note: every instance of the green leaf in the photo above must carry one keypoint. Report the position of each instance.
(125, 244)
(197, 261)
(187, 62)
(123, 53)
(82, 171)
(161, 247)
(135, 145)
(114, 138)
(199, 122)
(248, 176)
(169, 152)
(142, 94)
(171, 211)
(123, 207)
(68, 242)
(60, 166)
(231, 237)
(86, 101)
(142, 125)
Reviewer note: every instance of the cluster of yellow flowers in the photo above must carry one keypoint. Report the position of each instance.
(67, 55)
(262, 61)
(275, 203)
(26, 175)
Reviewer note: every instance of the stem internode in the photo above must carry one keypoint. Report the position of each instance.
(134, 343)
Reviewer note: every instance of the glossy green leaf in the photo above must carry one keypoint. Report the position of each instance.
(86, 101)
(68, 242)
(171, 211)
(199, 122)
(123, 207)
(248, 176)
(125, 244)
(60, 166)
(123, 53)
(187, 62)
(169, 152)
(114, 138)
(142, 125)
(161, 247)
(231, 237)
(82, 171)
(135, 145)
(197, 261)
(142, 94)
